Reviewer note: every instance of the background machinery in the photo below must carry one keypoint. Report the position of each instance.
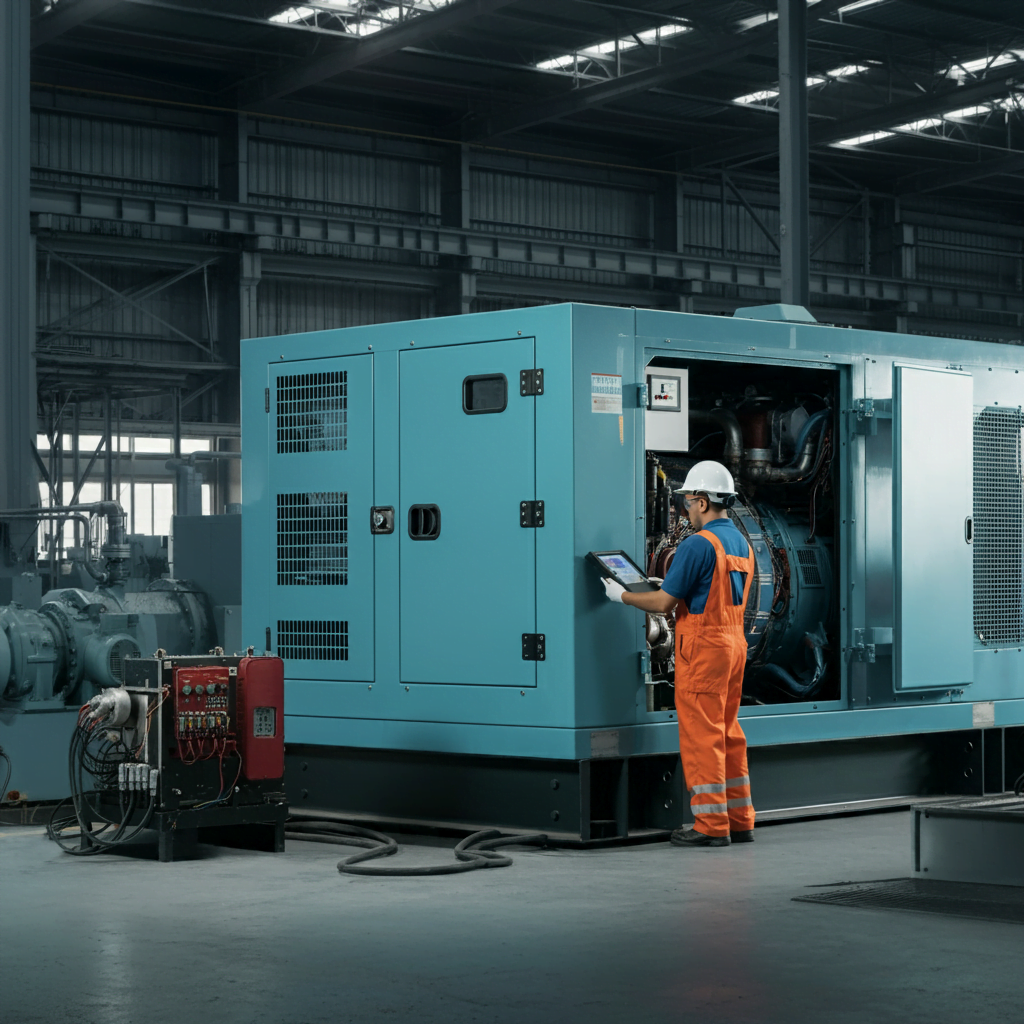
(59, 648)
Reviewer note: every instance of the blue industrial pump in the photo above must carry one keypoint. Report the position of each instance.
(77, 641)
(419, 501)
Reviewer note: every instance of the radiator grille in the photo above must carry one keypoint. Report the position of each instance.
(998, 528)
(810, 574)
(312, 640)
(312, 539)
(312, 412)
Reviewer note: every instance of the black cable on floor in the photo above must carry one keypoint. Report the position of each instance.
(7, 779)
(476, 851)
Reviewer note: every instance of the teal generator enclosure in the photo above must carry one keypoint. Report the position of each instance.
(420, 499)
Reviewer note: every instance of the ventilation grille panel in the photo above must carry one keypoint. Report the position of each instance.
(312, 640)
(998, 528)
(312, 539)
(312, 412)
(810, 574)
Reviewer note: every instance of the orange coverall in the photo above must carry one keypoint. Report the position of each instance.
(711, 653)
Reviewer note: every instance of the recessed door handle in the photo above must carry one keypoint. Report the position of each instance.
(969, 529)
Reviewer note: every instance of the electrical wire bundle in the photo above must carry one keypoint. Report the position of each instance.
(98, 751)
(7, 778)
(476, 851)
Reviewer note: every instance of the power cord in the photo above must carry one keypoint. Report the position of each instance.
(7, 780)
(476, 851)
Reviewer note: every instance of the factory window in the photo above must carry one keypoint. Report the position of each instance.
(312, 412)
(312, 539)
(998, 527)
(312, 640)
(484, 393)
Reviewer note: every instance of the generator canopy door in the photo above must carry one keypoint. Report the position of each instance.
(468, 516)
(933, 499)
(618, 566)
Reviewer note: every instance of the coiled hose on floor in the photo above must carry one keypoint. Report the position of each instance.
(476, 851)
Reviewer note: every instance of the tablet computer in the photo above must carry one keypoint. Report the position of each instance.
(618, 566)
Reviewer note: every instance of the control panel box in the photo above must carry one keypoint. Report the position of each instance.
(215, 732)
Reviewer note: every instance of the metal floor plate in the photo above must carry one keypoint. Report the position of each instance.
(958, 899)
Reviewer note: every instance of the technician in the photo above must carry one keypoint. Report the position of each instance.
(708, 583)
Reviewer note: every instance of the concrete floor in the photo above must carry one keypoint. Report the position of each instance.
(649, 933)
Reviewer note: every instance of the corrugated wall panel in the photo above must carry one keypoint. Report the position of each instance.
(989, 269)
(286, 306)
(92, 151)
(553, 208)
(312, 178)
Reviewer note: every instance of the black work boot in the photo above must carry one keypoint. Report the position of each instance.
(691, 837)
(742, 837)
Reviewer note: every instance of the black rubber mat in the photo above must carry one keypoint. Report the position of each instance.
(957, 899)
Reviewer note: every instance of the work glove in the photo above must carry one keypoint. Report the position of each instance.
(613, 591)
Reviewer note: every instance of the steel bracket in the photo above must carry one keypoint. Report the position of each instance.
(866, 413)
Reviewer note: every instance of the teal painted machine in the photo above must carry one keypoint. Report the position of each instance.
(419, 500)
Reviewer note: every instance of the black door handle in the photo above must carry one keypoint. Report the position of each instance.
(424, 522)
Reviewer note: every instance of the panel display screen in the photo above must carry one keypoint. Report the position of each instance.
(622, 569)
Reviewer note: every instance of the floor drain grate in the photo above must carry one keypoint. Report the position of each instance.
(958, 899)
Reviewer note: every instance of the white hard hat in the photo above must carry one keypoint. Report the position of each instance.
(712, 479)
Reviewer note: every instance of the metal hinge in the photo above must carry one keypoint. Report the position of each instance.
(266, 399)
(642, 400)
(533, 647)
(531, 382)
(531, 514)
(866, 413)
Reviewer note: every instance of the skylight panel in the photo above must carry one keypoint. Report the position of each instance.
(859, 140)
(859, 6)
(753, 21)
(649, 37)
(356, 16)
(963, 114)
(967, 68)
(762, 96)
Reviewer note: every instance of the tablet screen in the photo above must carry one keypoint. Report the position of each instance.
(622, 569)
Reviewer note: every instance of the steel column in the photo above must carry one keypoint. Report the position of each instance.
(17, 386)
(456, 295)
(794, 184)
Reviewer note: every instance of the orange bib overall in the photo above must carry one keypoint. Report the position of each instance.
(711, 653)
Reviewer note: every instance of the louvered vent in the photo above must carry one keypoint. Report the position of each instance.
(312, 539)
(312, 640)
(998, 528)
(312, 412)
(810, 574)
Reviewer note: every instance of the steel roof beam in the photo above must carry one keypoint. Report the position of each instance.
(715, 51)
(413, 32)
(269, 223)
(999, 82)
(66, 16)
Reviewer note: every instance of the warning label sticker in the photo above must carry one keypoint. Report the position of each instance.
(606, 393)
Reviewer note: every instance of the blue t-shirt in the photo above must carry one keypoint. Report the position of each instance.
(689, 577)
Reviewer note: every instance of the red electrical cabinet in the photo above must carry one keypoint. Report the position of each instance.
(260, 716)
